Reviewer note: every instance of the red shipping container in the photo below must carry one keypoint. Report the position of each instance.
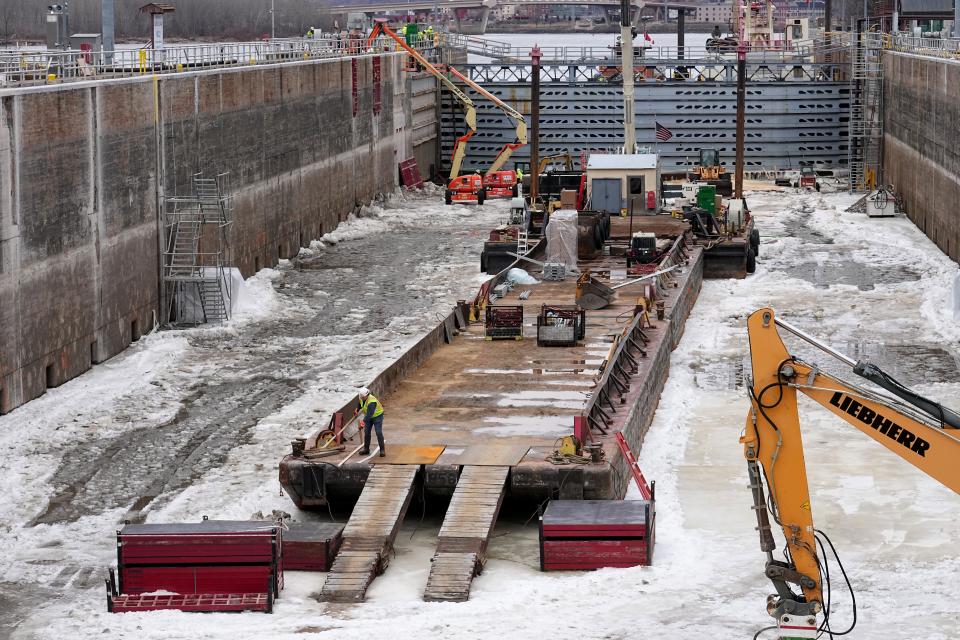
(593, 534)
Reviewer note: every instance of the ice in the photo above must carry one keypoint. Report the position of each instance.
(537, 426)
(892, 526)
(521, 277)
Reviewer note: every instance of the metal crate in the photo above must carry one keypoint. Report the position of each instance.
(503, 322)
(560, 325)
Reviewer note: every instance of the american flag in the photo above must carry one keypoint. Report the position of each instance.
(663, 134)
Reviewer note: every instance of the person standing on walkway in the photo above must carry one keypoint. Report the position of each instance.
(372, 418)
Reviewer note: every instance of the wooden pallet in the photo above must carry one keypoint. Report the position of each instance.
(370, 532)
(462, 543)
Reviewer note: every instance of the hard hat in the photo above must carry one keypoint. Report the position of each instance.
(363, 392)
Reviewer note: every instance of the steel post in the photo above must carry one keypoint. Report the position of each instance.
(681, 24)
(626, 72)
(741, 108)
(534, 124)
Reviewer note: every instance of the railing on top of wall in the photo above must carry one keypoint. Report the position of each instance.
(933, 47)
(25, 67)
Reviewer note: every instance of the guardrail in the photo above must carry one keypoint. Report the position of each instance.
(631, 343)
(933, 47)
(657, 54)
(22, 67)
(478, 46)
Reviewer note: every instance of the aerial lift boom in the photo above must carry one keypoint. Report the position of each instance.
(516, 116)
(922, 432)
(470, 111)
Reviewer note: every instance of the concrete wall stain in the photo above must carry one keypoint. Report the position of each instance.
(84, 168)
(921, 146)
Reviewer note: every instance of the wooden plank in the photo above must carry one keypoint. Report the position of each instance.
(369, 534)
(466, 529)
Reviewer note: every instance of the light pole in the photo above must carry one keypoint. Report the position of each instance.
(273, 22)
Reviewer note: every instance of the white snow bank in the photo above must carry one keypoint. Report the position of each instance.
(257, 298)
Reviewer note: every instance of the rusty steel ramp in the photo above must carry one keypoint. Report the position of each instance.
(370, 532)
(462, 543)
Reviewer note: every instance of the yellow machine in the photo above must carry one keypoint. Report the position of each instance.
(922, 432)
(569, 446)
(712, 172)
(545, 161)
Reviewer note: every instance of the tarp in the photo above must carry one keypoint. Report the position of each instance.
(562, 232)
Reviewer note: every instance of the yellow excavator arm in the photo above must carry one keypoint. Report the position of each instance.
(470, 111)
(920, 431)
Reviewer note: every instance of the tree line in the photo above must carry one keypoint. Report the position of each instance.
(23, 20)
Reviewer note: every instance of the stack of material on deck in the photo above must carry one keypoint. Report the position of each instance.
(311, 546)
(593, 534)
(206, 566)
(560, 325)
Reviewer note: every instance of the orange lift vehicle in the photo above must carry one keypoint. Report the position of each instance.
(495, 183)
(923, 432)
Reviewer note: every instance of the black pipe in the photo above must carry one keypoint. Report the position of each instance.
(741, 108)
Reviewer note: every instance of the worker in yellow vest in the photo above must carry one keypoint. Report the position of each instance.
(372, 418)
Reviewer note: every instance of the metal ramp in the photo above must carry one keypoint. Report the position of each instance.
(370, 532)
(462, 543)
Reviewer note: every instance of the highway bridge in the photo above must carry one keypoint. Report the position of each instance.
(485, 6)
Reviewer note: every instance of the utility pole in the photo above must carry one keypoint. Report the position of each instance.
(273, 21)
(626, 72)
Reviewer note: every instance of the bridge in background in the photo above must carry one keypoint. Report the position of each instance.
(485, 6)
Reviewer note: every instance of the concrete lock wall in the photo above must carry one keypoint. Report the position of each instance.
(921, 143)
(85, 169)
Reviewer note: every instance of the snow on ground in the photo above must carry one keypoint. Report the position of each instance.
(874, 288)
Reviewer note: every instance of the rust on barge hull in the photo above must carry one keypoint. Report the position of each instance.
(505, 403)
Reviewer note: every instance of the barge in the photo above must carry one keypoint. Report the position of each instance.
(457, 398)
(498, 403)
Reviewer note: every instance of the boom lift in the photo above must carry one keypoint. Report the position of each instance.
(500, 184)
(922, 432)
(470, 111)
(468, 188)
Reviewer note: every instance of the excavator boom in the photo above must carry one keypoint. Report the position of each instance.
(470, 110)
(920, 433)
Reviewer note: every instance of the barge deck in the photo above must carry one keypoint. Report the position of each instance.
(481, 420)
(457, 399)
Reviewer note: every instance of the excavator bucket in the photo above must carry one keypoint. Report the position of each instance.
(593, 294)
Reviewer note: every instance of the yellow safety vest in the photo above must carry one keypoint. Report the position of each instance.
(372, 398)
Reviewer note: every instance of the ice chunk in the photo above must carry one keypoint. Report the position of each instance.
(521, 277)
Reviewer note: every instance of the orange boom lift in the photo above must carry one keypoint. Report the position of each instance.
(495, 183)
